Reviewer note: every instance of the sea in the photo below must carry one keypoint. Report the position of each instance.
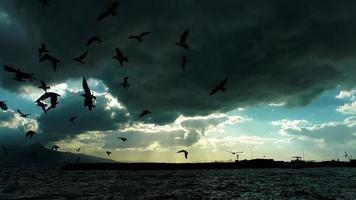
(54, 183)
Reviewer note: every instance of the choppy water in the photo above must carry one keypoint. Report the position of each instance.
(35, 183)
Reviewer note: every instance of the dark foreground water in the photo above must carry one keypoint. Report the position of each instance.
(320, 183)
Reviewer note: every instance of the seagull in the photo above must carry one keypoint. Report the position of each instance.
(73, 118)
(52, 59)
(3, 105)
(54, 99)
(183, 40)
(122, 138)
(44, 86)
(78, 149)
(219, 87)
(88, 101)
(125, 83)
(44, 3)
(81, 58)
(55, 147)
(145, 112)
(120, 57)
(30, 134)
(42, 50)
(109, 11)
(184, 62)
(139, 37)
(4, 149)
(22, 114)
(94, 39)
(185, 153)
(42, 105)
(108, 152)
(19, 75)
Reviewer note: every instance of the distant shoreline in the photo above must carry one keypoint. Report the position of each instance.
(256, 163)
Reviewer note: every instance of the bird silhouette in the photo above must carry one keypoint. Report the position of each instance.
(4, 149)
(3, 105)
(53, 60)
(88, 96)
(44, 86)
(108, 152)
(53, 99)
(122, 138)
(42, 50)
(120, 57)
(55, 147)
(144, 113)
(185, 153)
(109, 11)
(183, 40)
(219, 87)
(125, 83)
(30, 134)
(81, 58)
(19, 75)
(22, 114)
(42, 105)
(184, 62)
(73, 118)
(94, 39)
(78, 149)
(139, 37)
(45, 3)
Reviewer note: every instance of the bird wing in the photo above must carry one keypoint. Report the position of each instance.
(86, 87)
(10, 69)
(215, 90)
(19, 111)
(184, 36)
(81, 57)
(222, 84)
(43, 84)
(45, 57)
(119, 52)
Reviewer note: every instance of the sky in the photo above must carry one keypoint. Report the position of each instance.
(291, 88)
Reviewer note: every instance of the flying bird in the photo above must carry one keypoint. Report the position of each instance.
(44, 86)
(42, 50)
(22, 114)
(4, 149)
(44, 3)
(88, 96)
(108, 152)
(81, 58)
(120, 57)
(3, 105)
(94, 39)
(53, 99)
(184, 62)
(19, 75)
(233, 153)
(221, 86)
(73, 118)
(185, 153)
(183, 40)
(109, 11)
(78, 149)
(55, 147)
(42, 105)
(122, 138)
(145, 112)
(47, 57)
(30, 134)
(139, 37)
(125, 83)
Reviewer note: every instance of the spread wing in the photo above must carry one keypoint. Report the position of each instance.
(10, 69)
(144, 33)
(119, 52)
(184, 36)
(103, 15)
(81, 57)
(215, 90)
(223, 83)
(86, 87)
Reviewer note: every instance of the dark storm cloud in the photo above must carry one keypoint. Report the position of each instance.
(272, 51)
